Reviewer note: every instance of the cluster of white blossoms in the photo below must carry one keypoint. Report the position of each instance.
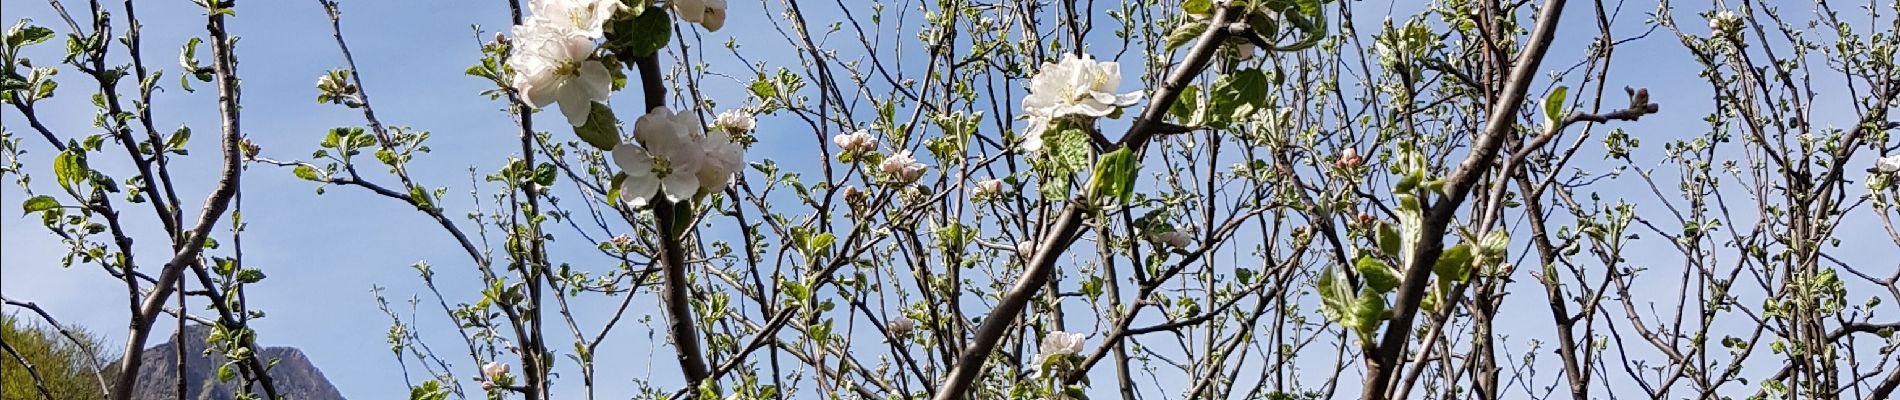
(1888, 164)
(902, 167)
(554, 49)
(860, 141)
(988, 188)
(1724, 22)
(708, 13)
(552, 56)
(735, 121)
(1075, 86)
(675, 158)
(1058, 344)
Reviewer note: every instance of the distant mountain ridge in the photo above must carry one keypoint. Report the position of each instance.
(295, 376)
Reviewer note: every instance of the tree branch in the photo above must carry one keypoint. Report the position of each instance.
(971, 362)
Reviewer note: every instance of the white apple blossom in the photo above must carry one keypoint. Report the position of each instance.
(1074, 87)
(675, 157)
(708, 13)
(666, 161)
(860, 141)
(327, 81)
(1077, 86)
(585, 16)
(494, 370)
(902, 167)
(1888, 164)
(735, 121)
(900, 326)
(1026, 248)
(990, 187)
(1058, 343)
(551, 66)
(721, 158)
(1175, 239)
(1032, 135)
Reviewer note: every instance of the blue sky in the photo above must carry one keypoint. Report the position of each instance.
(324, 253)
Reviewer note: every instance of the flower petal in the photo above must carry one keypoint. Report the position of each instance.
(632, 159)
(638, 191)
(594, 81)
(575, 106)
(680, 185)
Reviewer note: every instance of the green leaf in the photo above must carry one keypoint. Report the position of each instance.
(821, 243)
(1054, 187)
(1115, 176)
(1190, 109)
(39, 203)
(1336, 297)
(1197, 7)
(632, 35)
(1237, 94)
(1380, 278)
(1069, 150)
(1185, 33)
(1390, 242)
(1367, 314)
(69, 167)
(544, 174)
(613, 188)
(23, 34)
(225, 373)
(429, 390)
(1433, 296)
(421, 198)
(1495, 246)
(1454, 263)
(1554, 105)
(249, 276)
(179, 138)
(306, 172)
(601, 130)
(1068, 146)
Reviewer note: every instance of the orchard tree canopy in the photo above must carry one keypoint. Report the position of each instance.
(963, 199)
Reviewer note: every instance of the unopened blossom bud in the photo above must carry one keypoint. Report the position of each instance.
(1365, 218)
(853, 195)
(488, 386)
(494, 370)
(250, 148)
(327, 82)
(621, 241)
(912, 195)
(1349, 158)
